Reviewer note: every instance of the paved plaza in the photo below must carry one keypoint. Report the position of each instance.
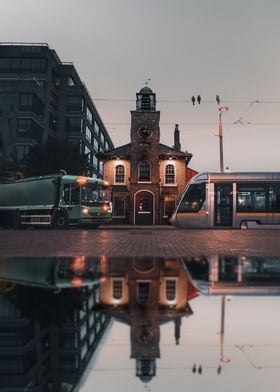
(139, 241)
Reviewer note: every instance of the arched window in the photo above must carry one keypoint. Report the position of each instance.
(169, 174)
(144, 171)
(119, 174)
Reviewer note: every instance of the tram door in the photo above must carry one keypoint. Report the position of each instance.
(223, 204)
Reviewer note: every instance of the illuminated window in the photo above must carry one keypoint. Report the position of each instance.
(119, 174)
(170, 289)
(169, 174)
(117, 288)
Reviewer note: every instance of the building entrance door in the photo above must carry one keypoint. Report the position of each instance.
(144, 208)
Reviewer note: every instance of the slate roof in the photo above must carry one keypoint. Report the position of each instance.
(125, 153)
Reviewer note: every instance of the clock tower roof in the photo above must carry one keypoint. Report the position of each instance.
(146, 90)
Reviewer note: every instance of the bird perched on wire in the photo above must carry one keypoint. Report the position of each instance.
(218, 100)
(193, 100)
(219, 369)
(198, 99)
(194, 368)
(199, 369)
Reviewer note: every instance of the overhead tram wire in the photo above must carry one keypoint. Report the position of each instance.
(207, 123)
(187, 101)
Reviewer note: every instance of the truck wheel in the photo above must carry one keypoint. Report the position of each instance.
(60, 220)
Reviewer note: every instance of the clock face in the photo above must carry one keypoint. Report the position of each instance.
(145, 131)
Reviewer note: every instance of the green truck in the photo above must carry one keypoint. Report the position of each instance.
(57, 201)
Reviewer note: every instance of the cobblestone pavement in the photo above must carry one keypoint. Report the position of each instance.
(139, 242)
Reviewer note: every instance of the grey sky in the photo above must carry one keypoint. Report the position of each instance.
(186, 47)
(252, 344)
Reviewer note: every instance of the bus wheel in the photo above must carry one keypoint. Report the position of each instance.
(60, 220)
(244, 225)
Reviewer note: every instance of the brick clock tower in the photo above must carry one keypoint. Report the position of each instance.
(144, 171)
(147, 177)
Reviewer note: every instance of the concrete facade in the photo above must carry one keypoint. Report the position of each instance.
(43, 98)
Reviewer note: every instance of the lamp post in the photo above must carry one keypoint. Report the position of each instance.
(223, 358)
(221, 110)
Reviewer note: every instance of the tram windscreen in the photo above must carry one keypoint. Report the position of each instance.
(193, 198)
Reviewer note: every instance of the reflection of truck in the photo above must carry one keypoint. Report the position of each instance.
(54, 200)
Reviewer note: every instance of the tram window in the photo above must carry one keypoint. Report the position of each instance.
(251, 197)
(274, 197)
(193, 198)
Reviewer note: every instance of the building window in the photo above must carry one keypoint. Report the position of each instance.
(144, 171)
(74, 102)
(118, 207)
(74, 124)
(94, 161)
(119, 174)
(95, 143)
(169, 206)
(169, 174)
(102, 138)
(27, 127)
(89, 115)
(96, 128)
(31, 103)
(70, 82)
(117, 288)
(21, 150)
(143, 292)
(88, 134)
(170, 289)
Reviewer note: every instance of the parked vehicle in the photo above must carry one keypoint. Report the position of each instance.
(55, 200)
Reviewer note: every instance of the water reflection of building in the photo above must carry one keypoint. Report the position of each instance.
(145, 293)
(47, 336)
(242, 275)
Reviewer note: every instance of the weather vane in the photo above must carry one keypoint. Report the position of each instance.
(147, 81)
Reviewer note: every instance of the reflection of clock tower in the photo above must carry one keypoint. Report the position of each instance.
(144, 174)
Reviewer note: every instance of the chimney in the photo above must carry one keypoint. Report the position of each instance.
(177, 144)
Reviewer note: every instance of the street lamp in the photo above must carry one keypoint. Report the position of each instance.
(223, 358)
(221, 110)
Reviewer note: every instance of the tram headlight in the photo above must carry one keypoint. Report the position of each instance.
(85, 211)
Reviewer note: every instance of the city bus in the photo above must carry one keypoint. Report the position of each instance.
(56, 201)
(235, 200)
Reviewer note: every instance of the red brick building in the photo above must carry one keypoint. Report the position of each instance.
(147, 177)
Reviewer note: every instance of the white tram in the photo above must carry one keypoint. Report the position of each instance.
(237, 200)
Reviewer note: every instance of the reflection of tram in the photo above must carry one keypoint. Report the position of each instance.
(236, 275)
(240, 200)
